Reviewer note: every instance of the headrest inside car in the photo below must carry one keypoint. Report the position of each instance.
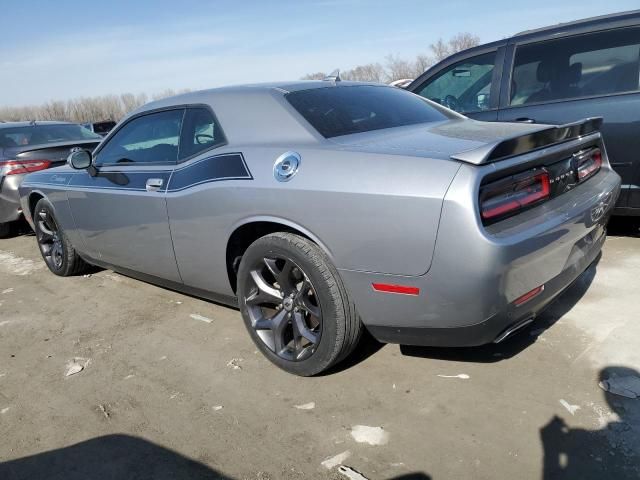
(543, 73)
(575, 73)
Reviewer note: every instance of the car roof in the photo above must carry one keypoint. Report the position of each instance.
(269, 88)
(30, 124)
(585, 25)
(255, 113)
(591, 22)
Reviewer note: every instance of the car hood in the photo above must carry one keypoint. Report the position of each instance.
(442, 140)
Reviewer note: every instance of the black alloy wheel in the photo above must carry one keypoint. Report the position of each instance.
(294, 304)
(57, 252)
(49, 239)
(284, 309)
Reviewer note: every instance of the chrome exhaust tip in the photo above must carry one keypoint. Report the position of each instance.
(513, 329)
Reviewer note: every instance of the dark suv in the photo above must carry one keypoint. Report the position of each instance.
(555, 75)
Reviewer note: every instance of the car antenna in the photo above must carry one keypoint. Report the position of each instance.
(333, 76)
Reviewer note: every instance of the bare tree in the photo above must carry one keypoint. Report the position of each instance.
(114, 107)
(371, 72)
(457, 43)
(462, 41)
(422, 63)
(396, 67)
(169, 92)
(129, 101)
(83, 110)
(314, 76)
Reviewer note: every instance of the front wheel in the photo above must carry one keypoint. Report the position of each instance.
(294, 304)
(56, 250)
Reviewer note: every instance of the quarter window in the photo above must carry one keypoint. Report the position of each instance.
(464, 86)
(200, 132)
(149, 139)
(587, 65)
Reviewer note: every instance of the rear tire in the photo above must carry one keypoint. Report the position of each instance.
(295, 305)
(55, 248)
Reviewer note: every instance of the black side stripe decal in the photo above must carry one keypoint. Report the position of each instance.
(213, 169)
(227, 166)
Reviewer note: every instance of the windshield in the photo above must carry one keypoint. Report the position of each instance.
(342, 110)
(43, 134)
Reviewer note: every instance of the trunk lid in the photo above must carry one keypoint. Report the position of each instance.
(466, 140)
(56, 153)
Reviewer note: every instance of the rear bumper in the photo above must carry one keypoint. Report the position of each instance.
(497, 328)
(10, 209)
(467, 297)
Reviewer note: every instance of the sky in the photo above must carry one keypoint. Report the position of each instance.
(62, 49)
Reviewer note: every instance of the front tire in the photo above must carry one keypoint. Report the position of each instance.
(295, 306)
(57, 252)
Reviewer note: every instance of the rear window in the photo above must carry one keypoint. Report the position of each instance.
(43, 134)
(335, 111)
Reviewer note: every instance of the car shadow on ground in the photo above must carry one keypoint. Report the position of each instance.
(20, 228)
(624, 227)
(367, 346)
(610, 452)
(412, 476)
(527, 336)
(120, 457)
(108, 457)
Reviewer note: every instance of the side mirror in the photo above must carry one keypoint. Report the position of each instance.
(79, 159)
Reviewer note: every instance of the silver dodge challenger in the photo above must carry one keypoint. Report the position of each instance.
(326, 207)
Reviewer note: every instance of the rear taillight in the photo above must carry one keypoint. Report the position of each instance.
(510, 195)
(588, 163)
(17, 167)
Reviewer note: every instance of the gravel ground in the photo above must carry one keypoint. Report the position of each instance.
(171, 387)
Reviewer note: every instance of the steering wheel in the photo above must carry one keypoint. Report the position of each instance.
(207, 138)
(451, 102)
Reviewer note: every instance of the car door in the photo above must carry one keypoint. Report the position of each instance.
(202, 200)
(121, 209)
(566, 79)
(468, 83)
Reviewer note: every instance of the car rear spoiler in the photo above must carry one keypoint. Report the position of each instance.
(546, 136)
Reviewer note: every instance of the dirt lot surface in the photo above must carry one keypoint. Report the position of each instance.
(171, 387)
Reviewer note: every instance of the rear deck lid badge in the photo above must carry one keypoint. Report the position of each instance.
(598, 211)
(286, 166)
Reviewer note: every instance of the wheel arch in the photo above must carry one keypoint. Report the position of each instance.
(32, 200)
(247, 231)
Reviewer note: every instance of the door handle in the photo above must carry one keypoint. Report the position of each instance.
(154, 184)
(525, 120)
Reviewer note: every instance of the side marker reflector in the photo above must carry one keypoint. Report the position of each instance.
(529, 295)
(400, 289)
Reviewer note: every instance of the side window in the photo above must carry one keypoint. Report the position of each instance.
(601, 63)
(152, 138)
(464, 86)
(201, 132)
